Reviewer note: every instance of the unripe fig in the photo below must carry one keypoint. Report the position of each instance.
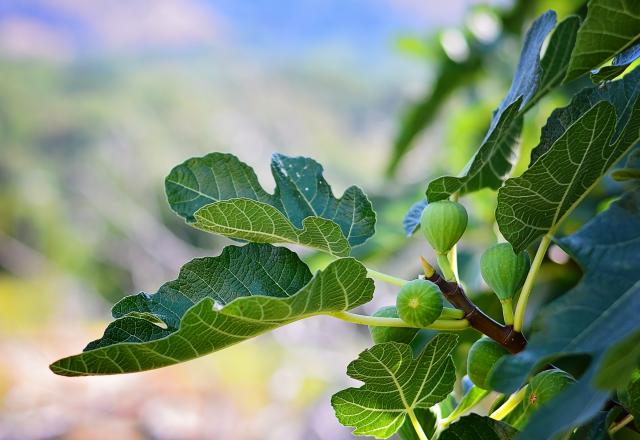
(443, 223)
(419, 303)
(482, 357)
(391, 334)
(504, 270)
(544, 386)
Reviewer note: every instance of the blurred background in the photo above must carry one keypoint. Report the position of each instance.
(99, 99)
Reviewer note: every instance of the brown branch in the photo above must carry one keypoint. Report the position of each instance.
(505, 335)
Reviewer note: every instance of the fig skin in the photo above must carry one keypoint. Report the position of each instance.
(419, 303)
(482, 358)
(443, 224)
(546, 385)
(391, 334)
(504, 270)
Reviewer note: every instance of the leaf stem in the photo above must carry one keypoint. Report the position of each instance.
(449, 313)
(528, 283)
(621, 424)
(445, 267)
(386, 277)
(416, 425)
(508, 406)
(374, 321)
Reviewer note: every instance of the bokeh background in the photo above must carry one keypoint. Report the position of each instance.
(99, 99)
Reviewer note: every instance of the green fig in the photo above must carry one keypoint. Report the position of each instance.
(546, 385)
(482, 357)
(443, 223)
(391, 334)
(419, 303)
(542, 387)
(504, 270)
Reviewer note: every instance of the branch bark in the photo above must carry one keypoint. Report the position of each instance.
(505, 335)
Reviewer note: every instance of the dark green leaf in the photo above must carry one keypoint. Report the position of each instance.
(475, 427)
(611, 27)
(533, 79)
(580, 143)
(217, 302)
(631, 399)
(220, 194)
(395, 384)
(580, 322)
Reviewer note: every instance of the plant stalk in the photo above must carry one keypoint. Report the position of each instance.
(521, 307)
(416, 425)
(374, 321)
(386, 277)
(505, 335)
(621, 424)
(508, 406)
(507, 311)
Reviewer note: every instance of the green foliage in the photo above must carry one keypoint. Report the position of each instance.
(504, 270)
(608, 298)
(475, 427)
(220, 194)
(630, 395)
(580, 143)
(443, 224)
(419, 303)
(611, 27)
(247, 282)
(391, 334)
(483, 356)
(592, 330)
(533, 79)
(406, 383)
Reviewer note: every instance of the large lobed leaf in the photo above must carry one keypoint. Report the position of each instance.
(395, 384)
(533, 79)
(600, 312)
(579, 144)
(611, 26)
(217, 302)
(220, 194)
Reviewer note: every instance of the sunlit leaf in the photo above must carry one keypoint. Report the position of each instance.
(220, 194)
(217, 302)
(580, 143)
(581, 321)
(496, 156)
(611, 27)
(394, 384)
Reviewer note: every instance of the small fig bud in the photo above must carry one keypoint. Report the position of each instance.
(504, 270)
(419, 303)
(391, 334)
(482, 357)
(443, 223)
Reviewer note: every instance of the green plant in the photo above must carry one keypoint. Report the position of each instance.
(407, 388)
(483, 356)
